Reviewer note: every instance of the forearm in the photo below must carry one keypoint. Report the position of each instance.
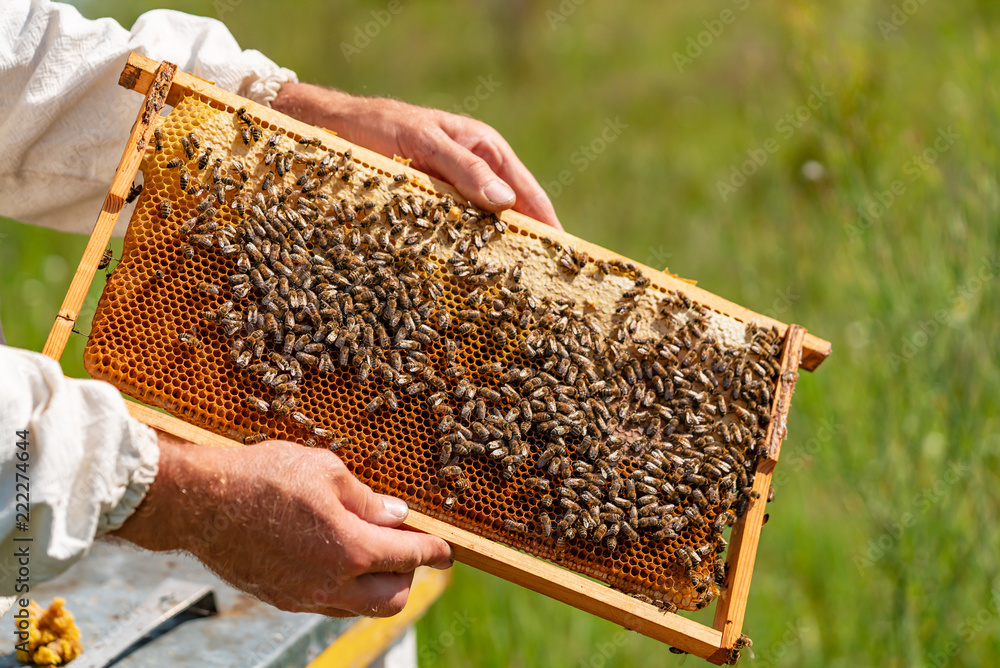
(285, 523)
(366, 121)
(469, 154)
(84, 465)
(162, 521)
(325, 107)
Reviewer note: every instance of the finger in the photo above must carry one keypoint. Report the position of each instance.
(532, 199)
(316, 605)
(401, 551)
(358, 498)
(320, 601)
(467, 172)
(376, 594)
(538, 207)
(336, 612)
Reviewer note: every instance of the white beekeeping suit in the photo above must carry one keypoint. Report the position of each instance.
(63, 124)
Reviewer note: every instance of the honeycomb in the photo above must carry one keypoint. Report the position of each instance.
(271, 287)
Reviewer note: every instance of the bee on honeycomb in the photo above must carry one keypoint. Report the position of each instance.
(611, 435)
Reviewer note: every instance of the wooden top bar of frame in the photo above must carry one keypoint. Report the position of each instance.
(138, 75)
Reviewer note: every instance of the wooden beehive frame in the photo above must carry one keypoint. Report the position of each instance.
(163, 85)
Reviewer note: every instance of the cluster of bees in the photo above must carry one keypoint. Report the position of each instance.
(617, 437)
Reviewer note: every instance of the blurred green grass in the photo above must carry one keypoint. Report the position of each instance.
(876, 552)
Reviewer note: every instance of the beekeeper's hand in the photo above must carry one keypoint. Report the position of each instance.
(467, 153)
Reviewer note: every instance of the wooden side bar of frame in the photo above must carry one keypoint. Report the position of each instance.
(732, 603)
(142, 132)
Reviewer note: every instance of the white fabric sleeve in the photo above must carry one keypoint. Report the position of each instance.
(85, 465)
(64, 119)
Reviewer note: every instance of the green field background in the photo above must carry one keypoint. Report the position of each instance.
(870, 217)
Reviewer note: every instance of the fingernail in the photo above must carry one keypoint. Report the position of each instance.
(395, 507)
(498, 193)
(443, 565)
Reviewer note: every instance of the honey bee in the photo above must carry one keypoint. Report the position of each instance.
(685, 557)
(191, 340)
(546, 524)
(209, 288)
(537, 484)
(451, 472)
(380, 449)
(158, 139)
(204, 158)
(217, 171)
(338, 443)
(272, 141)
(665, 606)
(283, 163)
(258, 404)
(515, 526)
(286, 387)
(306, 358)
(105, 259)
(719, 568)
(133, 192)
(283, 404)
(309, 141)
(303, 419)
